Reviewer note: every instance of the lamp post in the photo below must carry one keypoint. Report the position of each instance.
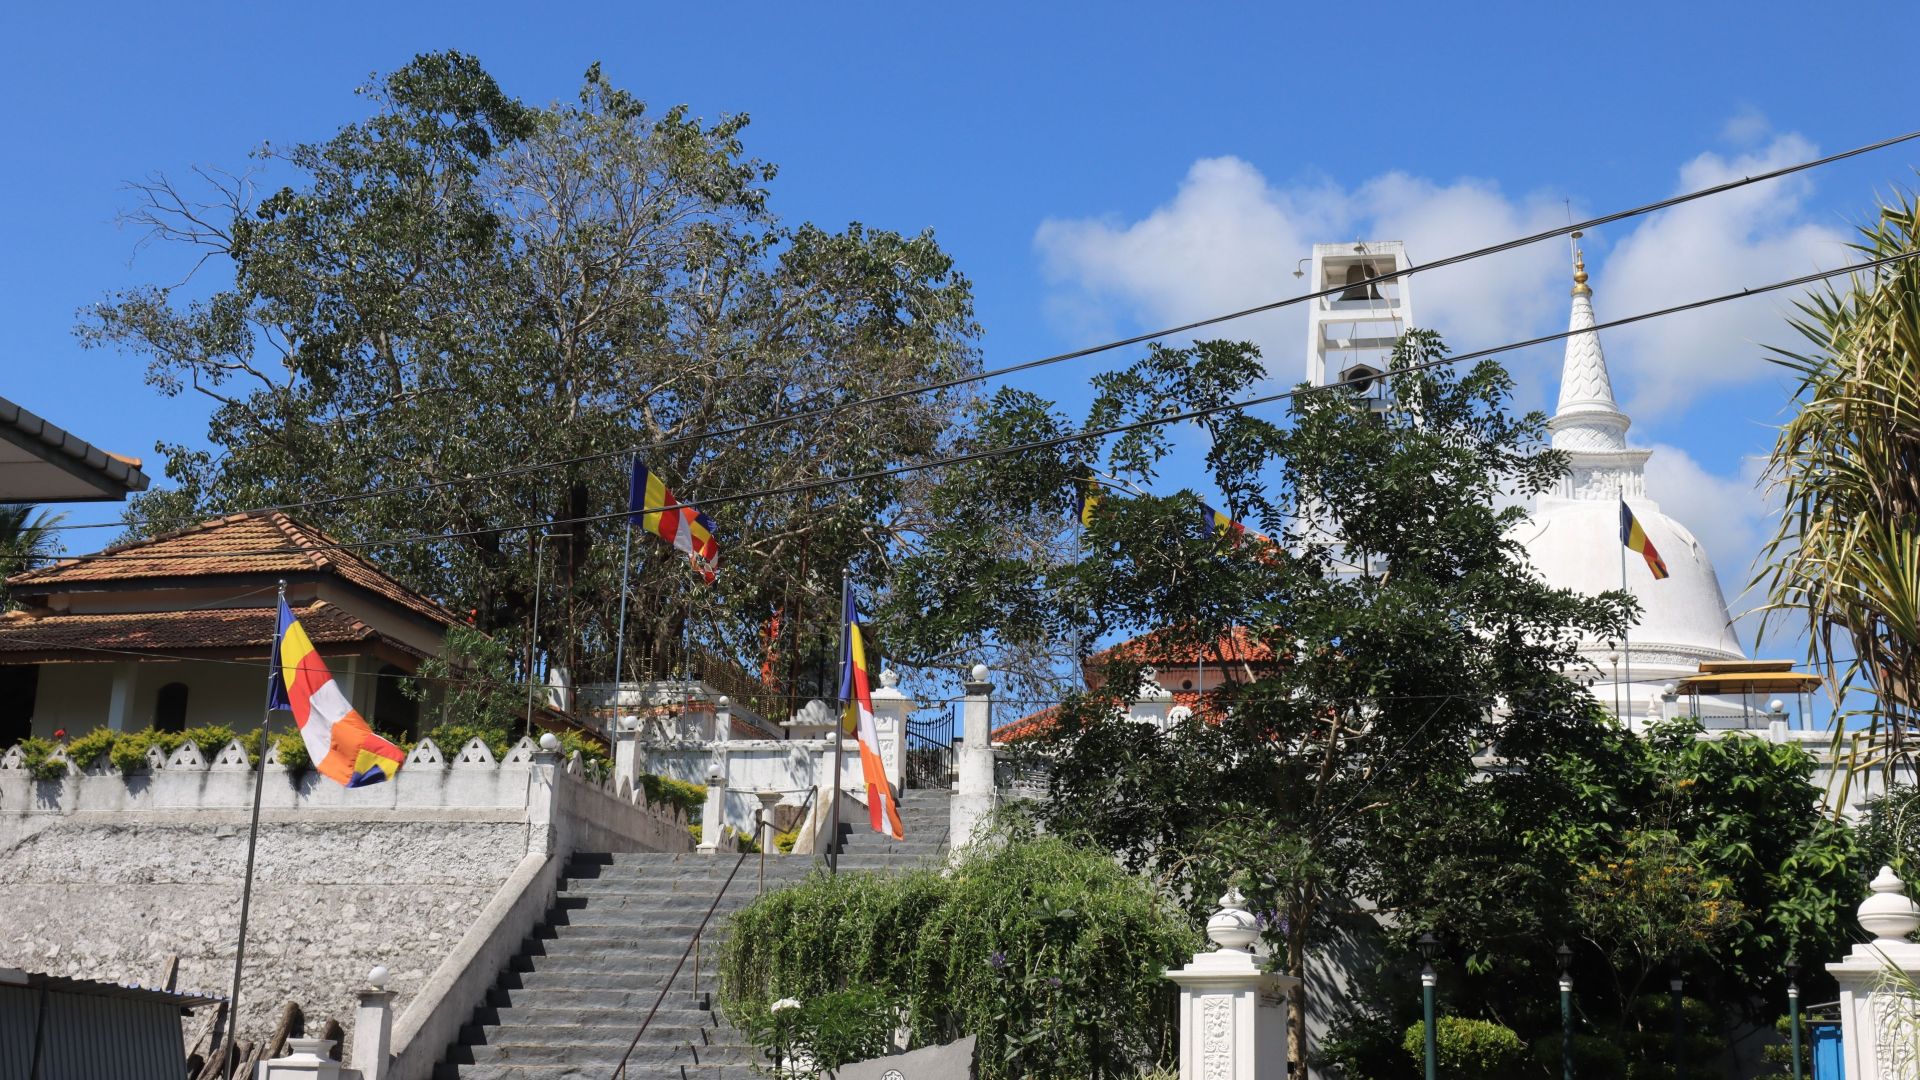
(1793, 1013)
(1679, 1030)
(1429, 947)
(1564, 956)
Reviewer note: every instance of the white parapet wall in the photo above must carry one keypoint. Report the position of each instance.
(436, 875)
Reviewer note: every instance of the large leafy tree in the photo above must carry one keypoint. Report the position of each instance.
(1846, 558)
(461, 284)
(1409, 640)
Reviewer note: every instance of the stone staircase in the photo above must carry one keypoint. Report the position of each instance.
(573, 996)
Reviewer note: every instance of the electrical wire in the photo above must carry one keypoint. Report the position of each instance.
(1084, 435)
(1081, 353)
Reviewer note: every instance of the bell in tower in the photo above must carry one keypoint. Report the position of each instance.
(1358, 285)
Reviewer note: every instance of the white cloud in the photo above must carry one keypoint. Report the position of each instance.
(1747, 237)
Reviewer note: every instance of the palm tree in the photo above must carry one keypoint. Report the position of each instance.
(26, 540)
(1847, 552)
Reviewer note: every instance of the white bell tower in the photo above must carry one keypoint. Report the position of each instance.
(1351, 334)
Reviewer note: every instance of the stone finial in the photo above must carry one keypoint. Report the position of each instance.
(1233, 928)
(1179, 714)
(1889, 914)
(549, 741)
(979, 673)
(1150, 688)
(889, 678)
(377, 978)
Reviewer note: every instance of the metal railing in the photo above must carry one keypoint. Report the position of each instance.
(762, 840)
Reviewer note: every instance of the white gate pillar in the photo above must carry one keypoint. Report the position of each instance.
(973, 795)
(890, 709)
(1879, 1021)
(1233, 1015)
(373, 1027)
(306, 1059)
(713, 817)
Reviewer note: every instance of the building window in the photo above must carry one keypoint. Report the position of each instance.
(19, 685)
(170, 708)
(393, 711)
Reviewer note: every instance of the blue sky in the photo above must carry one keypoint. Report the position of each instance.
(1094, 168)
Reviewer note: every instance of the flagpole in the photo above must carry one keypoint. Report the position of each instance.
(1626, 643)
(839, 737)
(253, 836)
(620, 634)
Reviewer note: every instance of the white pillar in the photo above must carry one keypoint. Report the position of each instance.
(306, 1059)
(1154, 703)
(543, 832)
(373, 1027)
(722, 720)
(973, 795)
(120, 696)
(890, 709)
(626, 753)
(1233, 1016)
(1879, 1019)
(713, 817)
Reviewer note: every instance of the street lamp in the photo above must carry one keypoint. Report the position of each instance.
(1429, 947)
(1793, 1012)
(1679, 1030)
(1564, 956)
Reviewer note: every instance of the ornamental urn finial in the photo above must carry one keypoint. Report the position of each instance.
(1233, 928)
(1889, 914)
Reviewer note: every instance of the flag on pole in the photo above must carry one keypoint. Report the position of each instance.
(1223, 526)
(857, 697)
(1089, 495)
(1635, 537)
(652, 507)
(343, 748)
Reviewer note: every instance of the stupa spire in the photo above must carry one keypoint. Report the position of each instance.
(1586, 419)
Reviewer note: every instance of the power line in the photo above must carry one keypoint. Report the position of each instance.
(1081, 353)
(1084, 435)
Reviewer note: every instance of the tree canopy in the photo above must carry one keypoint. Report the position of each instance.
(460, 288)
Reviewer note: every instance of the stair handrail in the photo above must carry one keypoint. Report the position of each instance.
(620, 1070)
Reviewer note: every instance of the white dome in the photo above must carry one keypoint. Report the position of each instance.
(1575, 544)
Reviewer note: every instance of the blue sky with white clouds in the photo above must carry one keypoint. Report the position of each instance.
(1095, 168)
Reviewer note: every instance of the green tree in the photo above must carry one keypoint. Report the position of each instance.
(1408, 636)
(27, 539)
(1846, 558)
(461, 284)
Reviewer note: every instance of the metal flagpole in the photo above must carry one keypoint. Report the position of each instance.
(253, 837)
(620, 634)
(1626, 640)
(839, 737)
(533, 637)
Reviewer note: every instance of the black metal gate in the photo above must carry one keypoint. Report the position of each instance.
(930, 737)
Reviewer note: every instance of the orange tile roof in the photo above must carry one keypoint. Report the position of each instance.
(246, 629)
(262, 543)
(1159, 648)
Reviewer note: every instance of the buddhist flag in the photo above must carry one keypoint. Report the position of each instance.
(343, 748)
(1632, 535)
(857, 696)
(1089, 500)
(1223, 526)
(652, 507)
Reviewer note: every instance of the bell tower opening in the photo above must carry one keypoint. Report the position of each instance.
(1351, 334)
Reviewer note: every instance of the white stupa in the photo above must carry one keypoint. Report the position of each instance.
(1573, 540)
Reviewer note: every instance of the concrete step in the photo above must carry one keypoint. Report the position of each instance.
(675, 1012)
(606, 1054)
(646, 1071)
(631, 1002)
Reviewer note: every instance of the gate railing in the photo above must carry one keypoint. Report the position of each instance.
(929, 745)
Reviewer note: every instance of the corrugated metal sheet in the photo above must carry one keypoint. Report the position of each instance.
(88, 1037)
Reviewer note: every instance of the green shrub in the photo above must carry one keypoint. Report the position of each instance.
(37, 756)
(593, 752)
(1466, 1047)
(783, 842)
(87, 749)
(293, 752)
(832, 1030)
(1593, 1055)
(129, 751)
(451, 737)
(1053, 955)
(690, 798)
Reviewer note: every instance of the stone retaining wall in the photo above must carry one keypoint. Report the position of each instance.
(105, 876)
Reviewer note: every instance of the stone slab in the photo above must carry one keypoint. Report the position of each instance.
(951, 1061)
